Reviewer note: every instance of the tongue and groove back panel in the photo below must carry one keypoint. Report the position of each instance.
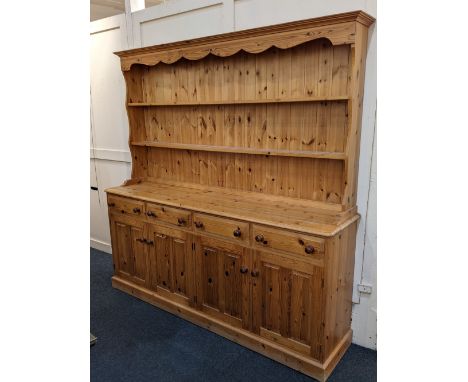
(315, 68)
(316, 179)
(304, 126)
(304, 178)
(275, 122)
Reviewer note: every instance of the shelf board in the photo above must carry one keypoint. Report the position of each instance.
(245, 150)
(240, 102)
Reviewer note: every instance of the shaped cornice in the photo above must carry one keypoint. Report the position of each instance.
(338, 29)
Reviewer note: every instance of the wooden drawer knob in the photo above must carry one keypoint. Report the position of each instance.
(151, 213)
(136, 210)
(111, 204)
(181, 221)
(199, 224)
(309, 249)
(237, 232)
(259, 238)
(244, 269)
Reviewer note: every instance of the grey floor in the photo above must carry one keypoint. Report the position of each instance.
(139, 342)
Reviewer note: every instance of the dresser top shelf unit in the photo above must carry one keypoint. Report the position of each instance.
(290, 213)
(271, 112)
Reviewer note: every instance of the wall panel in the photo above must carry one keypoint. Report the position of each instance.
(109, 152)
(109, 118)
(198, 18)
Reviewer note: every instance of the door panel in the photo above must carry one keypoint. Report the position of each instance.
(129, 251)
(123, 249)
(209, 281)
(171, 264)
(300, 307)
(223, 277)
(139, 252)
(271, 298)
(287, 302)
(179, 249)
(160, 262)
(232, 279)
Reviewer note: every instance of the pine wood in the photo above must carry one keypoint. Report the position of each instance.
(240, 214)
(241, 101)
(244, 150)
(227, 228)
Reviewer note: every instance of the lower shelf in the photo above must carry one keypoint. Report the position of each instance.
(297, 361)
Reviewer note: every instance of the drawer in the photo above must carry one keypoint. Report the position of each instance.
(306, 245)
(125, 206)
(172, 215)
(232, 229)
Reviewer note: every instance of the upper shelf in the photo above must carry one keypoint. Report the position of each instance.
(242, 102)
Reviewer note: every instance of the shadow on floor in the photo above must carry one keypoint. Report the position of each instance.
(139, 342)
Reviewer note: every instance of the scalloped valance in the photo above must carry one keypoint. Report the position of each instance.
(338, 29)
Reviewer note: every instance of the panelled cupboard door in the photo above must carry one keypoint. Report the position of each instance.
(287, 302)
(223, 280)
(171, 263)
(129, 249)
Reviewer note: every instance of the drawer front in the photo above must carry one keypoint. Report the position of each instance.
(171, 215)
(228, 228)
(305, 245)
(125, 206)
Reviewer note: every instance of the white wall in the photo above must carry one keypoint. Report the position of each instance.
(99, 11)
(110, 157)
(176, 20)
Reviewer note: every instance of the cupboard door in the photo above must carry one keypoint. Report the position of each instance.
(223, 280)
(287, 302)
(171, 262)
(130, 253)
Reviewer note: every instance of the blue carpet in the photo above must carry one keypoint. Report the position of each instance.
(139, 342)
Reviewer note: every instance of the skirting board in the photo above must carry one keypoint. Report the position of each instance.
(268, 348)
(100, 245)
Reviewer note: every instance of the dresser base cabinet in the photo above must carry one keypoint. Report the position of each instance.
(283, 293)
(240, 214)
(307, 326)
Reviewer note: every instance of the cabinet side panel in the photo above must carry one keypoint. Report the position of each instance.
(134, 83)
(138, 130)
(339, 271)
(356, 89)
